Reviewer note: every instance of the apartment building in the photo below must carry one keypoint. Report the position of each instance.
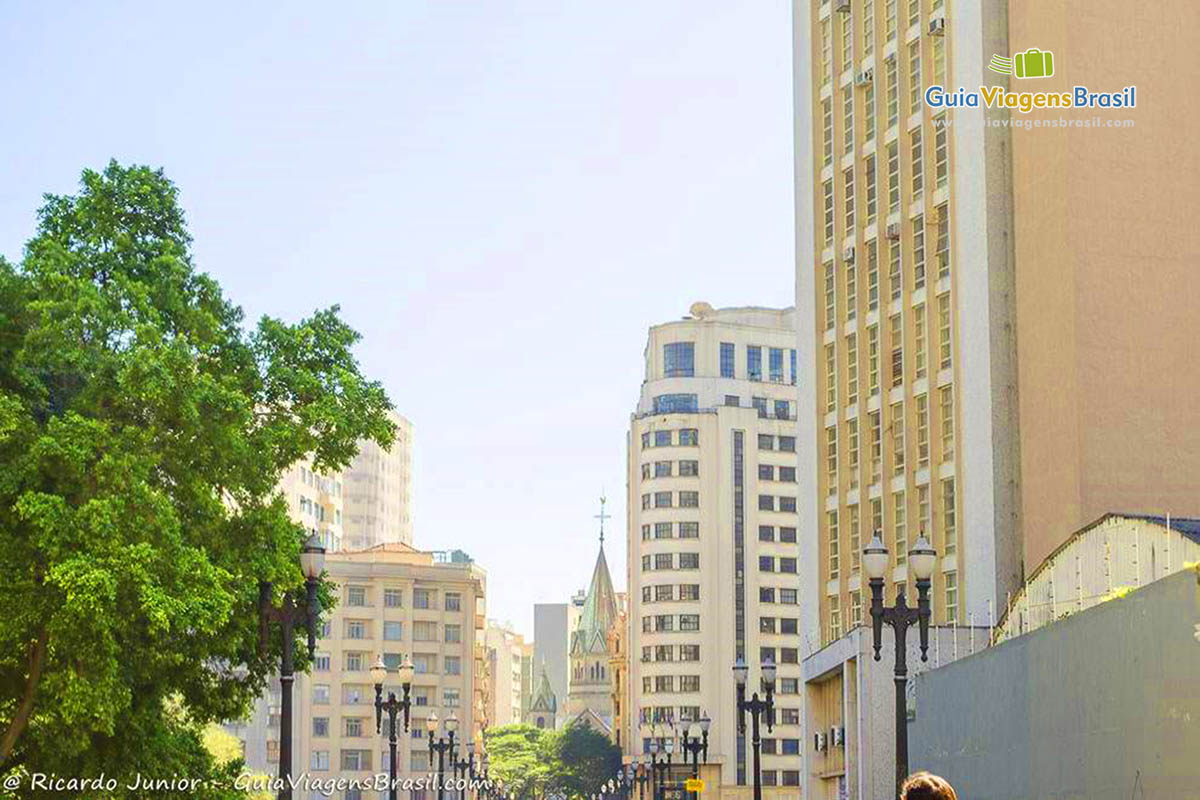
(378, 491)
(505, 656)
(985, 308)
(393, 601)
(317, 502)
(712, 532)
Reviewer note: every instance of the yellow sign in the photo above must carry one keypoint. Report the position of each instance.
(694, 785)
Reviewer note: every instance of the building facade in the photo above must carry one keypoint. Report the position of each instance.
(712, 532)
(378, 492)
(393, 601)
(985, 309)
(505, 654)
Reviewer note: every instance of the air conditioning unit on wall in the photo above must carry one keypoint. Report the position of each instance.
(937, 26)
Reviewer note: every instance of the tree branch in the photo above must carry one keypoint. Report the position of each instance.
(37, 658)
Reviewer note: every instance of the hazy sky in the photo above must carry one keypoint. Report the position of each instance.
(501, 195)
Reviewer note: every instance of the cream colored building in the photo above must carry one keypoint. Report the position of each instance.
(317, 502)
(393, 601)
(989, 311)
(713, 569)
(378, 492)
(505, 654)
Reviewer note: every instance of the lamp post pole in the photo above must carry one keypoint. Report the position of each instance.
(443, 746)
(641, 776)
(660, 767)
(696, 744)
(757, 708)
(921, 560)
(288, 614)
(379, 673)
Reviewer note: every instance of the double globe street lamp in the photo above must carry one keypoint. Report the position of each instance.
(660, 767)
(443, 746)
(921, 559)
(393, 706)
(289, 614)
(696, 743)
(757, 708)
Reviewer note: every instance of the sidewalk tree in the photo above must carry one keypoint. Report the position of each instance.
(143, 430)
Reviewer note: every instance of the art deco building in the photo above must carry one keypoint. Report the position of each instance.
(713, 553)
(987, 308)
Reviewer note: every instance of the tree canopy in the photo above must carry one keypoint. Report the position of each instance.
(143, 432)
(534, 763)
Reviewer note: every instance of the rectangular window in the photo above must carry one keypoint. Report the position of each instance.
(787, 504)
(917, 152)
(422, 598)
(872, 199)
(689, 652)
(425, 631)
(352, 726)
(826, 51)
(831, 458)
(869, 117)
(662, 438)
(918, 240)
(941, 151)
(896, 334)
(679, 359)
(852, 369)
(787, 444)
(951, 582)
(787, 474)
(830, 310)
(923, 511)
(900, 528)
(788, 597)
(356, 629)
(944, 360)
(689, 683)
(689, 499)
(893, 91)
(919, 339)
(663, 593)
(664, 561)
(754, 362)
(689, 437)
(766, 502)
(942, 243)
(915, 90)
(848, 119)
(851, 290)
(766, 441)
(689, 622)
(732, 400)
(356, 596)
(662, 499)
(675, 404)
(855, 609)
(320, 727)
(787, 534)
(874, 420)
(939, 60)
(689, 591)
(782, 409)
(792, 364)
(897, 420)
(689, 530)
(895, 277)
(868, 26)
(872, 276)
(946, 413)
(922, 402)
(760, 403)
(766, 563)
(453, 634)
(766, 472)
(830, 378)
(727, 359)
(775, 363)
(848, 199)
(689, 469)
(847, 31)
(662, 469)
(873, 360)
(835, 618)
(393, 598)
(828, 192)
(855, 538)
(393, 631)
(852, 450)
(893, 156)
(827, 131)
(889, 18)
(831, 525)
(949, 518)
(787, 564)
(914, 12)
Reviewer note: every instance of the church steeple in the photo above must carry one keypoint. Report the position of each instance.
(599, 611)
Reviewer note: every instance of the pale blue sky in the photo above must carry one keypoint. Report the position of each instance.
(502, 196)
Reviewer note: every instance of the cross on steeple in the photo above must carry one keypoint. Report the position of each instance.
(602, 516)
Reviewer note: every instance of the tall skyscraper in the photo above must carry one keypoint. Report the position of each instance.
(378, 492)
(987, 307)
(713, 553)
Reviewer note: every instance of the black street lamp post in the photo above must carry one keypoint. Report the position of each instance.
(758, 708)
(921, 559)
(695, 744)
(393, 706)
(443, 746)
(465, 767)
(289, 614)
(641, 777)
(660, 767)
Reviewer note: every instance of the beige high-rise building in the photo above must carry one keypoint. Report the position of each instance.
(505, 654)
(995, 315)
(393, 601)
(317, 502)
(378, 492)
(713, 552)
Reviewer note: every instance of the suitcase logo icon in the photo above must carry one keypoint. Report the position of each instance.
(1033, 63)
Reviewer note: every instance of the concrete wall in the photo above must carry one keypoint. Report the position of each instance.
(1104, 705)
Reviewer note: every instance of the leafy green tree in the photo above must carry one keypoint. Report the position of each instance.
(517, 755)
(582, 760)
(143, 430)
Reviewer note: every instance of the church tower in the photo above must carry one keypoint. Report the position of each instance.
(543, 708)
(589, 699)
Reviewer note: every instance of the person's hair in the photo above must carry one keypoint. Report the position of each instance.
(924, 786)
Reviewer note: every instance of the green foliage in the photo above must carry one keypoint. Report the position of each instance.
(143, 432)
(533, 763)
